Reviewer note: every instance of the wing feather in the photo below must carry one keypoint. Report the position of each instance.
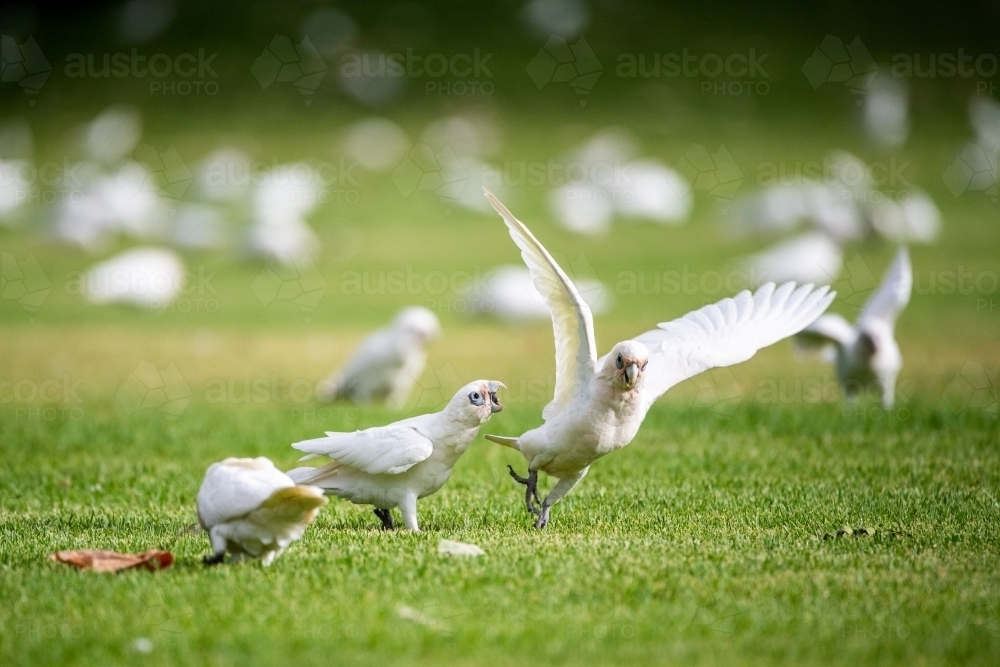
(380, 450)
(572, 322)
(726, 333)
(894, 293)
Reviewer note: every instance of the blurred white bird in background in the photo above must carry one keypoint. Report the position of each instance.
(866, 354)
(109, 193)
(508, 292)
(112, 135)
(16, 169)
(599, 404)
(285, 196)
(252, 509)
(984, 115)
(395, 465)
(386, 364)
(887, 110)
(148, 277)
(809, 257)
(603, 179)
(377, 144)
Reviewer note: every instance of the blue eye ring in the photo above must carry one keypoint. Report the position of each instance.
(476, 398)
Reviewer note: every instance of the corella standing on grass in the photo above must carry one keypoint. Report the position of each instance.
(395, 465)
(386, 364)
(866, 354)
(599, 404)
(252, 509)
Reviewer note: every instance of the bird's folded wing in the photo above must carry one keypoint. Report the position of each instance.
(828, 329)
(727, 333)
(572, 321)
(894, 292)
(381, 450)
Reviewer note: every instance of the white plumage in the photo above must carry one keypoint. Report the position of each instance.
(508, 292)
(386, 364)
(866, 353)
(393, 466)
(599, 404)
(809, 257)
(142, 276)
(252, 509)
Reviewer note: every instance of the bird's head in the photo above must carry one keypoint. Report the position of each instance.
(477, 401)
(626, 363)
(418, 323)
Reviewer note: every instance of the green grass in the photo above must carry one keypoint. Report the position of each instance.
(700, 543)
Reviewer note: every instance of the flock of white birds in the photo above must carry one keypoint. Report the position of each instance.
(252, 509)
(598, 405)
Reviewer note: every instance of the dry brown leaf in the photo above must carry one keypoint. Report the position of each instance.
(100, 560)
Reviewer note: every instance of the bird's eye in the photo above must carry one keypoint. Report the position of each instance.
(476, 398)
(619, 363)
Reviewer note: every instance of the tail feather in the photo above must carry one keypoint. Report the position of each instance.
(308, 475)
(504, 440)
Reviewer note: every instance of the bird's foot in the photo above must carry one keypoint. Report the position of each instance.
(214, 559)
(531, 490)
(385, 516)
(543, 516)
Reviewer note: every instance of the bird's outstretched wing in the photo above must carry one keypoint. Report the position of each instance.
(572, 322)
(381, 450)
(894, 293)
(727, 333)
(828, 329)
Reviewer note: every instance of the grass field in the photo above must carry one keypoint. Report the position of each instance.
(701, 543)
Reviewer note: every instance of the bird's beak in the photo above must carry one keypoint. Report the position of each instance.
(492, 388)
(631, 372)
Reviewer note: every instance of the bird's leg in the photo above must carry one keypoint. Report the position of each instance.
(563, 487)
(409, 510)
(531, 490)
(385, 516)
(214, 559)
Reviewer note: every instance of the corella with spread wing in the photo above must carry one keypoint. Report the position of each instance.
(866, 353)
(252, 509)
(599, 404)
(393, 466)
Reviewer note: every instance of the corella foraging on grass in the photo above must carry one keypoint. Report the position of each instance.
(386, 364)
(866, 354)
(252, 509)
(395, 465)
(599, 404)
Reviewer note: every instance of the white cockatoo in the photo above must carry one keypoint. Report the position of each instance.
(148, 277)
(599, 404)
(866, 353)
(395, 465)
(386, 364)
(509, 293)
(810, 257)
(252, 509)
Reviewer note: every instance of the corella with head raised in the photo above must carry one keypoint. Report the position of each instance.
(599, 404)
(395, 465)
